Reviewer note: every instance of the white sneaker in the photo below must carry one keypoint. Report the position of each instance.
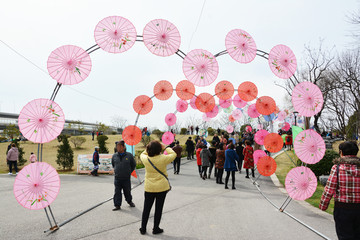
(16, 173)
(9, 173)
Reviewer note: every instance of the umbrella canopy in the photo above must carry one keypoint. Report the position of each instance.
(228, 110)
(163, 90)
(213, 113)
(252, 112)
(142, 104)
(192, 102)
(161, 37)
(247, 91)
(309, 146)
(131, 135)
(270, 117)
(300, 183)
(225, 103)
(41, 120)
(232, 140)
(229, 128)
(240, 46)
(69, 65)
(237, 114)
(238, 102)
(260, 136)
(224, 90)
(295, 131)
(282, 61)
(266, 166)
(265, 105)
(200, 67)
(231, 118)
(284, 137)
(307, 99)
(170, 119)
(248, 128)
(167, 138)
(205, 102)
(281, 116)
(185, 90)
(286, 126)
(273, 142)
(258, 154)
(36, 186)
(181, 105)
(206, 118)
(115, 34)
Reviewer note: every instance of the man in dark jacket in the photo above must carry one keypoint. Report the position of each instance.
(176, 162)
(96, 162)
(190, 147)
(124, 164)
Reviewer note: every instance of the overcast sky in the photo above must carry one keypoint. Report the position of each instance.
(36, 28)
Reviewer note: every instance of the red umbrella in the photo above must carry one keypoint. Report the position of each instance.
(307, 99)
(142, 104)
(309, 146)
(238, 102)
(260, 136)
(170, 119)
(205, 102)
(115, 34)
(248, 128)
(266, 166)
(247, 91)
(300, 183)
(224, 90)
(240, 46)
(200, 67)
(163, 90)
(181, 105)
(273, 142)
(231, 118)
(185, 90)
(265, 105)
(131, 135)
(161, 37)
(282, 61)
(252, 111)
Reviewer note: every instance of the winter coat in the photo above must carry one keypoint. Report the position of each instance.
(190, 146)
(213, 154)
(33, 158)
(198, 157)
(230, 160)
(205, 156)
(239, 151)
(13, 154)
(177, 149)
(248, 157)
(123, 164)
(220, 159)
(96, 158)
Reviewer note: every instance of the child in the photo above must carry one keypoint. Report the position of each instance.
(32, 158)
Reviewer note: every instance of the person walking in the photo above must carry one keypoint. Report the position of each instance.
(93, 134)
(178, 150)
(230, 164)
(344, 184)
(239, 151)
(219, 164)
(12, 157)
(205, 156)
(212, 150)
(32, 158)
(157, 184)
(198, 159)
(197, 130)
(124, 164)
(96, 162)
(288, 141)
(248, 158)
(190, 147)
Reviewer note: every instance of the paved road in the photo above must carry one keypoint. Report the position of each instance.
(194, 209)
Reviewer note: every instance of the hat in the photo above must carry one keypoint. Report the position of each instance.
(97, 147)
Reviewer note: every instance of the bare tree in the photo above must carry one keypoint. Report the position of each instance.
(118, 122)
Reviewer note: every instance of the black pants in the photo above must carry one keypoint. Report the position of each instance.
(200, 169)
(176, 164)
(210, 168)
(203, 172)
(347, 223)
(95, 171)
(148, 203)
(125, 185)
(232, 178)
(240, 163)
(219, 175)
(190, 154)
(11, 163)
(252, 172)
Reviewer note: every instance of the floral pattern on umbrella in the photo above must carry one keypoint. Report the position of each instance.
(307, 99)
(282, 61)
(224, 90)
(300, 183)
(240, 46)
(163, 90)
(309, 146)
(185, 90)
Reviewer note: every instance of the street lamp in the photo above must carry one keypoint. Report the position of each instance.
(295, 115)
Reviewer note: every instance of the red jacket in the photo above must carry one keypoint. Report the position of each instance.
(198, 158)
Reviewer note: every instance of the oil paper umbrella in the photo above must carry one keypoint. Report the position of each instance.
(265, 105)
(248, 128)
(247, 91)
(273, 142)
(213, 113)
(36, 186)
(252, 111)
(163, 90)
(224, 90)
(258, 154)
(228, 110)
(205, 102)
(260, 136)
(282, 61)
(300, 183)
(185, 90)
(229, 128)
(132, 135)
(238, 102)
(240, 46)
(41, 120)
(231, 118)
(167, 138)
(270, 117)
(170, 119)
(309, 146)
(181, 105)
(192, 102)
(225, 103)
(237, 114)
(115, 34)
(69, 65)
(142, 104)
(307, 99)
(295, 131)
(281, 116)
(286, 126)
(200, 67)
(206, 118)
(266, 166)
(161, 37)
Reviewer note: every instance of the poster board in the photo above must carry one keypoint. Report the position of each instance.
(85, 164)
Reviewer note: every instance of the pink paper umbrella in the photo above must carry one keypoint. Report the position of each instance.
(167, 138)
(36, 186)
(229, 128)
(41, 120)
(205, 118)
(213, 113)
(200, 67)
(258, 154)
(252, 112)
(260, 136)
(181, 105)
(240, 46)
(307, 99)
(309, 146)
(282, 61)
(192, 102)
(115, 34)
(281, 116)
(286, 126)
(300, 183)
(225, 103)
(248, 128)
(69, 64)
(238, 102)
(161, 37)
(228, 110)
(170, 119)
(237, 114)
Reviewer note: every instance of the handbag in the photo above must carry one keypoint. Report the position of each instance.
(160, 173)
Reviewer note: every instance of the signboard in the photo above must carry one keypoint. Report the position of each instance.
(85, 164)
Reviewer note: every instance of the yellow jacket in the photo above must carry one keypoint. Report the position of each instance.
(154, 181)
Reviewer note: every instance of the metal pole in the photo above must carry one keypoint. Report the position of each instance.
(47, 215)
(52, 215)
(41, 152)
(38, 153)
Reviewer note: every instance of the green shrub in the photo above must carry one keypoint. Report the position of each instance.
(158, 133)
(211, 131)
(102, 143)
(65, 156)
(323, 167)
(183, 131)
(78, 141)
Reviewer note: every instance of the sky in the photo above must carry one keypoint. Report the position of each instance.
(35, 28)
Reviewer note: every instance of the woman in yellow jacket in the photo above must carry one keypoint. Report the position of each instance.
(156, 185)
